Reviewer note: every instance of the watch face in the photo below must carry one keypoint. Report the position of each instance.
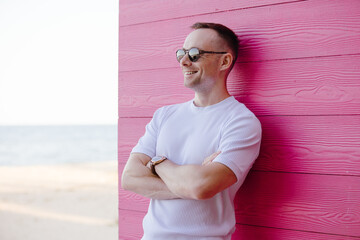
(155, 159)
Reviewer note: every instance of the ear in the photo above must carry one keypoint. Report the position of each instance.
(226, 62)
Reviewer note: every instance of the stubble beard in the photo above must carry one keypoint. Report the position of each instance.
(199, 85)
(191, 84)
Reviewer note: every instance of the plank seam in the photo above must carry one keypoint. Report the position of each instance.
(324, 115)
(297, 230)
(310, 115)
(222, 11)
(131, 210)
(300, 58)
(267, 60)
(307, 173)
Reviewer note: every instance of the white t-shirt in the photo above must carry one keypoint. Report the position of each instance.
(187, 134)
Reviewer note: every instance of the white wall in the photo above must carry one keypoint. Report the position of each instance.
(58, 62)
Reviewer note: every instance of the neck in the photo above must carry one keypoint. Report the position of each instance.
(207, 99)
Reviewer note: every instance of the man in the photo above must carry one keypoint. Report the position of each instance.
(194, 156)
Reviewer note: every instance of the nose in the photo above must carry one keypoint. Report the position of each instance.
(185, 61)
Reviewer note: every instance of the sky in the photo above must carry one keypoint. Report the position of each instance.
(58, 62)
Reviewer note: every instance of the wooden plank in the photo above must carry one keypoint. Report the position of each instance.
(129, 200)
(311, 144)
(132, 201)
(303, 202)
(151, 11)
(307, 202)
(130, 225)
(316, 86)
(298, 30)
(264, 233)
(302, 144)
(129, 132)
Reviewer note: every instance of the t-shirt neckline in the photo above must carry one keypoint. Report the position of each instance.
(216, 105)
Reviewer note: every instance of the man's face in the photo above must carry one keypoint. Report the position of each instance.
(201, 75)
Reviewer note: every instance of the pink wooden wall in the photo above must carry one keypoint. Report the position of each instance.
(298, 71)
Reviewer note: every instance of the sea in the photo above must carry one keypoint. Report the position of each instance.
(49, 145)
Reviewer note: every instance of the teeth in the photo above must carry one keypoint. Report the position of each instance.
(189, 73)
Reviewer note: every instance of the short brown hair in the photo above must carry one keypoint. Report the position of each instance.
(224, 32)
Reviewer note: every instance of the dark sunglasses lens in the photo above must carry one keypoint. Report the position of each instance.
(194, 54)
(180, 54)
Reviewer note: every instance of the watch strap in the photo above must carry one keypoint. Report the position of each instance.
(154, 163)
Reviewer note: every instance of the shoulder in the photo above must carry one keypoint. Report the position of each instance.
(166, 111)
(240, 117)
(169, 109)
(239, 111)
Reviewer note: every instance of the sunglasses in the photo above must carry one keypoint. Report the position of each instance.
(194, 54)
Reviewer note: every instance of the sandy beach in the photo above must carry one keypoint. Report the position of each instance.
(58, 202)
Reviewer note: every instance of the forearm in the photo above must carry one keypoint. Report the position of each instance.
(185, 181)
(196, 181)
(137, 178)
(150, 187)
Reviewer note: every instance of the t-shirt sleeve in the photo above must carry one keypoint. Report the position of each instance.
(240, 145)
(147, 143)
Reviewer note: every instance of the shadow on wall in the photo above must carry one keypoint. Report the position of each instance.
(264, 194)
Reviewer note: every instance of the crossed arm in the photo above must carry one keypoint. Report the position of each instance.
(176, 181)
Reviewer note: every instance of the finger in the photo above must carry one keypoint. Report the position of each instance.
(207, 160)
(210, 158)
(215, 154)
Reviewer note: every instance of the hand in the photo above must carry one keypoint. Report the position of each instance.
(148, 165)
(210, 158)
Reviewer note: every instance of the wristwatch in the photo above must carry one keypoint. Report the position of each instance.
(155, 161)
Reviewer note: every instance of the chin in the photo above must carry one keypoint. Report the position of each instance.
(187, 83)
(190, 85)
(195, 88)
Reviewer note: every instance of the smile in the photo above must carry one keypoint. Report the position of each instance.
(190, 73)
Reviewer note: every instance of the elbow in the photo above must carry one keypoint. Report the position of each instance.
(200, 188)
(123, 185)
(202, 192)
(124, 181)
(205, 195)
